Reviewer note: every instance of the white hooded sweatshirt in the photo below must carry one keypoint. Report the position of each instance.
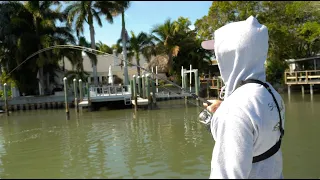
(246, 123)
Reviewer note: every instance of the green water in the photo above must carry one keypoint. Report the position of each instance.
(165, 143)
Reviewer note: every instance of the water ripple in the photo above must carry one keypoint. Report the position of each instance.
(165, 143)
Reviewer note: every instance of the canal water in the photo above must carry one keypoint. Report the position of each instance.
(164, 143)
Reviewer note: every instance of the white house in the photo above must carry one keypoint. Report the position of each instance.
(103, 63)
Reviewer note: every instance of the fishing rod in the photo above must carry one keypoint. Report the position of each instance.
(90, 50)
(204, 115)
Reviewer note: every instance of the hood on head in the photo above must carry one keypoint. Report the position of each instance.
(241, 50)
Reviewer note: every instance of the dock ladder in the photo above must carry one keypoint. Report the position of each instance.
(127, 100)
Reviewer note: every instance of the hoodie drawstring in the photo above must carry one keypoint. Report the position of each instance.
(222, 92)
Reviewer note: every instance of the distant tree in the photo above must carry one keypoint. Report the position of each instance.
(293, 28)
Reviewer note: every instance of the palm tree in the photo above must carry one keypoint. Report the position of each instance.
(121, 7)
(164, 35)
(30, 27)
(42, 16)
(141, 44)
(82, 12)
(172, 37)
(103, 47)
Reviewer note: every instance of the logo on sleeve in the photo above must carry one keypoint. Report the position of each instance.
(276, 127)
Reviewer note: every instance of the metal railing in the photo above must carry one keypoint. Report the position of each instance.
(109, 91)
(302, 77)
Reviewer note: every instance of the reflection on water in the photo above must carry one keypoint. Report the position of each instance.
(301, 144)
(2, 149)
(164, 143)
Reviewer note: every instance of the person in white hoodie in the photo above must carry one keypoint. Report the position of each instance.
(247, 125)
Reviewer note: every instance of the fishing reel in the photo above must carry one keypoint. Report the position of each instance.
(205, 117)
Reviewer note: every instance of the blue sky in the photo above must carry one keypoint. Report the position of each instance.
(143, 15)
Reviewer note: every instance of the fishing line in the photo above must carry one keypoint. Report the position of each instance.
(98, 52)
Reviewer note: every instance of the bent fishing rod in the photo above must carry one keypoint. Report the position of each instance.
(98, 52)
(204, 116)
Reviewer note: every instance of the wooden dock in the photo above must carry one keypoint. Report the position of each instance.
(123, 93)
(162, 96)
(107, 94)
(302, 78)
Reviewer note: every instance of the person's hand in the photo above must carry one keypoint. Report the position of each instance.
(214, 106)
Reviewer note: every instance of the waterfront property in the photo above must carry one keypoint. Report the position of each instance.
(103, 64)
(303, 72)
(55, 95)
(100, 95)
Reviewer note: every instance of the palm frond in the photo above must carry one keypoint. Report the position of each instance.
(96, 15)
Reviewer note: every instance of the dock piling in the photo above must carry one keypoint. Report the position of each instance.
(66, 98)
(75, 94)
(88, 95)
(139, 86)
(80, 90)
(190, 78)
(143, 89)
(157, 79)
(289, 90)
(153, 89)
(5, 95)
(148, 94)
(131, 88)
(196, 84)
(135, 94)
(185, 86)
(182, 79)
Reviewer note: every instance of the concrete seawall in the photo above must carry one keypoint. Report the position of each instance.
(57, 101)
(37, 102)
